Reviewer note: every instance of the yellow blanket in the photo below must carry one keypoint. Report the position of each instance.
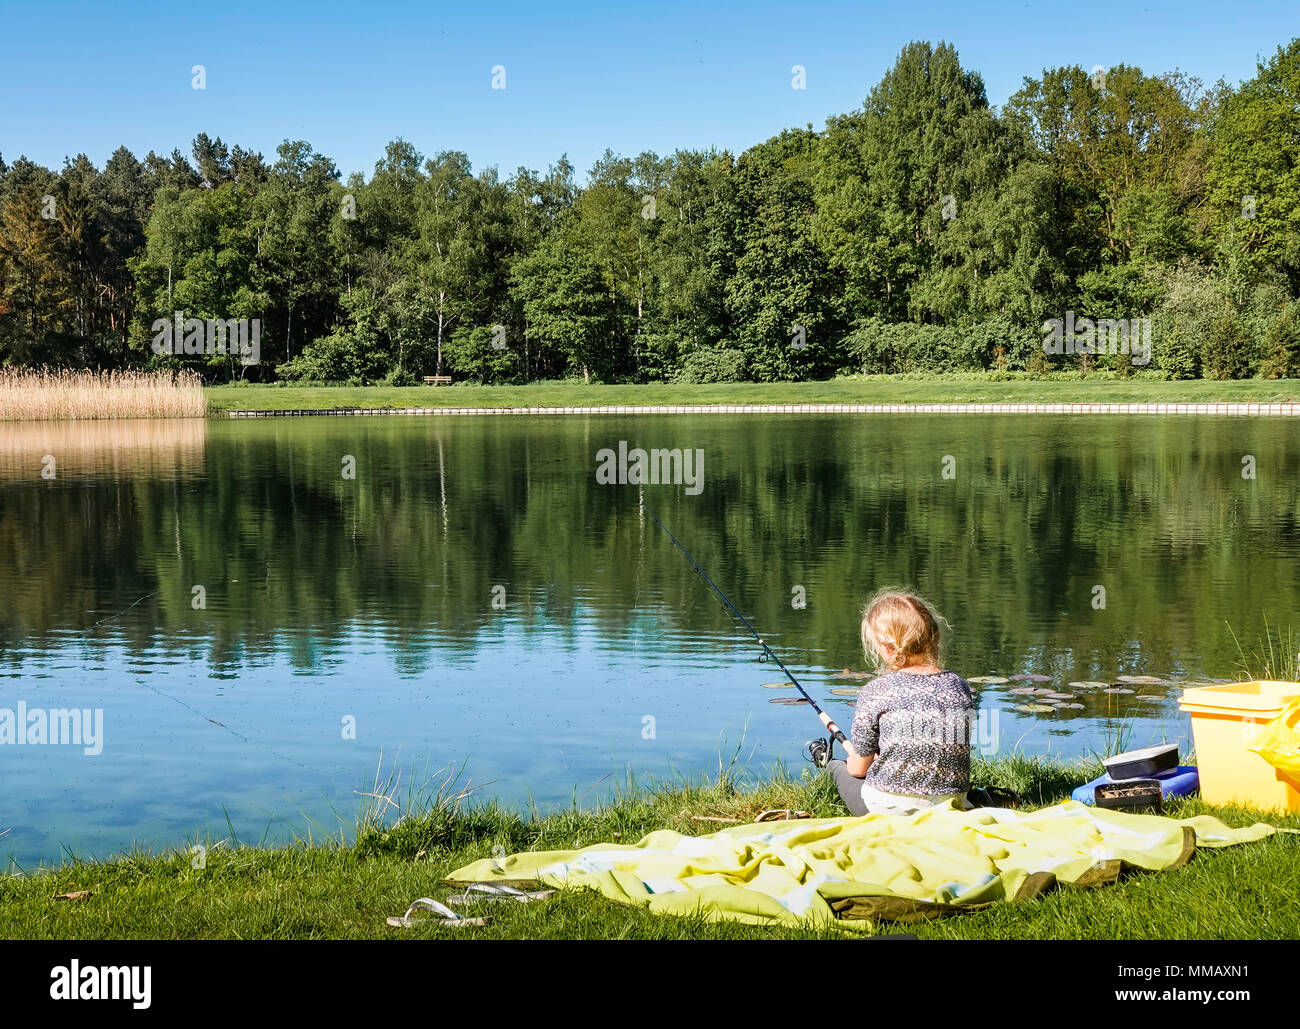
(845, 870)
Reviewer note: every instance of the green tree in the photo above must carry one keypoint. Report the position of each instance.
(200, 259)
(296, 267)
(36, 289)
(566, 309)
(1130, 145)
(782, 294)
(1254, 167)
(457, 261)
(894, 173)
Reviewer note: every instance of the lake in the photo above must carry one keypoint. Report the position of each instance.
(262, 632)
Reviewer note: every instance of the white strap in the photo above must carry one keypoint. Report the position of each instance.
(429, 904)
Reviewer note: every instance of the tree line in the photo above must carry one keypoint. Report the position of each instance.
(926, 231)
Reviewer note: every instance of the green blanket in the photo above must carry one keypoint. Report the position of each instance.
(844, 871)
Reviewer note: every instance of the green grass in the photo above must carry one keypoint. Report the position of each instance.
(332, 890)
(882, 389)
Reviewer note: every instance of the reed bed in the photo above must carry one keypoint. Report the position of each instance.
(41, 394)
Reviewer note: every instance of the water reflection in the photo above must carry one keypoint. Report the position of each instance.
(110, 449)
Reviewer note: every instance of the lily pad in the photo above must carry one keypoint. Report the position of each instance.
(1148, 680)
(849, 673)
(1043, 691)
(992, 680)
(1024, 691)
(1035, 709)
(844, 691)
(778, 685)
(1087, 684)
(1072, 707)
(1060, 696)
(1118, 689)
(1031, 677)
(792, 701)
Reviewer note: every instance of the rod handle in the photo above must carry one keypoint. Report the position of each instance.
(836, 733)
(826, 721)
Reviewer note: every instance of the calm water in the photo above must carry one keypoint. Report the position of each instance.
(474, 596)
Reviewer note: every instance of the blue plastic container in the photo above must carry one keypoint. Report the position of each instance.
(1174, 782)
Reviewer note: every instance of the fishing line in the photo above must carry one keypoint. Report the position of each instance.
(109, 618)
(233, 732)
(768, 654)
(194, 710)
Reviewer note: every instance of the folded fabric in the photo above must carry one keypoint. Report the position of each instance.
(847, 871)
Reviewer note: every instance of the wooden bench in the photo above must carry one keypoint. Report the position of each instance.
(437, 380)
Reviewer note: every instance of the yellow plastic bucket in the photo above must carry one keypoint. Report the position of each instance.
(1225, 721)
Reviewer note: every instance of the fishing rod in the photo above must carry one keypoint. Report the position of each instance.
(768, 654)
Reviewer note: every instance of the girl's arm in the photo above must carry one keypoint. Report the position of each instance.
(857, 764)
(863, 744)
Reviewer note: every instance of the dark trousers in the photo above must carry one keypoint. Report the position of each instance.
(850, 787)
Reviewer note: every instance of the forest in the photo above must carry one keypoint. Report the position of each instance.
(926, 231)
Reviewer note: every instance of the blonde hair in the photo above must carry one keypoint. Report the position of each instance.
(905, 622)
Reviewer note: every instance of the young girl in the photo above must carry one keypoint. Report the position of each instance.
(911, 729)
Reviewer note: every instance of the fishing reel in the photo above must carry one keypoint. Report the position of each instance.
(819, 751)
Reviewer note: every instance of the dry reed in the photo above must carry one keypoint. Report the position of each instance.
(41, 394)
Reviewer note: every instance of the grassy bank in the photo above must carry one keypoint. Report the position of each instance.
(39, 396)
(882, 389)
(332, 890)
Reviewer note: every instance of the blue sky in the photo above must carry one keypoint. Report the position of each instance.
(87, 77)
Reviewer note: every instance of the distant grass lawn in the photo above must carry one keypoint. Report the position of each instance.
(883, 389)
(345, 892)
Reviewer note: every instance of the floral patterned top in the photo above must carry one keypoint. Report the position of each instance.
(919, 728)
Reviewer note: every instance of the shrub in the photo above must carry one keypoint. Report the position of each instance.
(1264, 304)
(1281, 347)
(1037, 364)
(1181, 324)
(473, 351)
(338, 356)
(880, 347)
(1177, 346)
(892, 348)
(712, 364)
(1229, 349)
(998, 343)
